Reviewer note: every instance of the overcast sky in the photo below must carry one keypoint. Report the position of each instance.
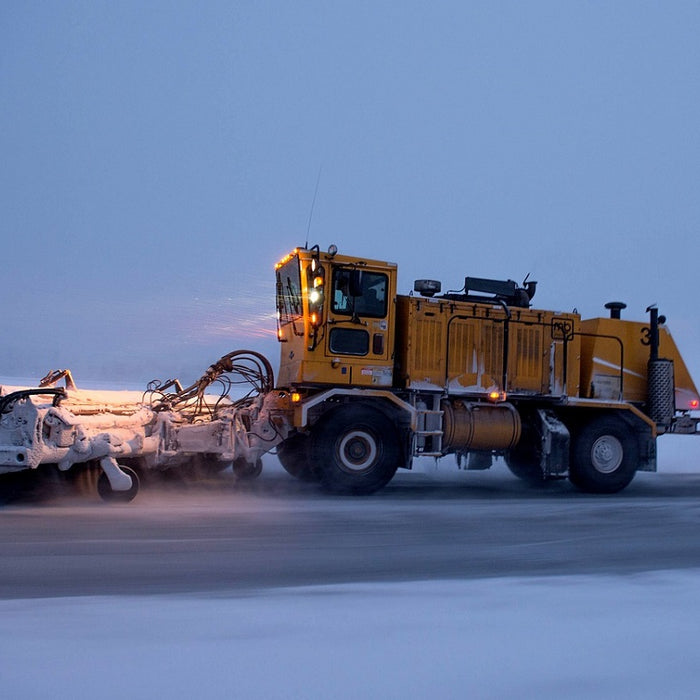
(157, 158)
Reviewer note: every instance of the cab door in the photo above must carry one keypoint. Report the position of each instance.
(359, 342)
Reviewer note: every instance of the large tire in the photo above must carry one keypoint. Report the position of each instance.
(294, 455)
(604, 457)
(524, 462)
(355, 450)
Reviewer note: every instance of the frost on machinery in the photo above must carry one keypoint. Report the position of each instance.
(370, 379)
(166, 426)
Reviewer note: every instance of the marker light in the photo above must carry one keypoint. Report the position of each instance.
(694, 404)
(296, 397)
(497, 395)
(286, 259)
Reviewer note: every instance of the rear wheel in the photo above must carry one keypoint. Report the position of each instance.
(524, 462)
(355, 450)
(294, 455)
(604, 456)
(525, 459)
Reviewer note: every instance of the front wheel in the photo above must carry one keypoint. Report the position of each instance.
(294, 456)
(355, 450)
(604, 456)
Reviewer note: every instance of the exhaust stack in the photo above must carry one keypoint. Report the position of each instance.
(661, 404)
(615, 308)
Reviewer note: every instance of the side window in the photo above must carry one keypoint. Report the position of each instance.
(359, 293)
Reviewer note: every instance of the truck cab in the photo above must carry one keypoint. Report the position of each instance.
(335, 316)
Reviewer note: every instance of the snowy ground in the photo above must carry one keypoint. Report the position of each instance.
(574, 637)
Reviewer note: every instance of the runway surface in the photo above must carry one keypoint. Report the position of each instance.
(221, 535)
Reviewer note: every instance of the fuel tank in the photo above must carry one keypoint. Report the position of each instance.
(479, 426)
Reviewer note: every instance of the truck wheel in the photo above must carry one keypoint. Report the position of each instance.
(106, 493)
(355, 450)
(524, 460)
(604, 457)
(294, 455)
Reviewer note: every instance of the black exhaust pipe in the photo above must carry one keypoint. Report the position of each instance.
(615, 307)
(661, 403)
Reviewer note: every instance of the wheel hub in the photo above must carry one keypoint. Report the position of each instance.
(607, 454)
(357, 450)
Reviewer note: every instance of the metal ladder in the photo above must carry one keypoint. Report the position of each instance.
(429, 426)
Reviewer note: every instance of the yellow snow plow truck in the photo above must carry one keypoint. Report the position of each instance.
(370, 379)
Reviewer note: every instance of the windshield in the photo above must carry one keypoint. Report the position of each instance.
(289, 304)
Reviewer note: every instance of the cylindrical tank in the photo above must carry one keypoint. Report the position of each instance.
(479, 426)
(661, 404)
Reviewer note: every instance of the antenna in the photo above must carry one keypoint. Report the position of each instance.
(313, 202)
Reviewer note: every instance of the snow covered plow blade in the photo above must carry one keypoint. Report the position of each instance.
(124, 432)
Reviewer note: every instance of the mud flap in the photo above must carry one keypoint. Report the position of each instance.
(555, 440)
